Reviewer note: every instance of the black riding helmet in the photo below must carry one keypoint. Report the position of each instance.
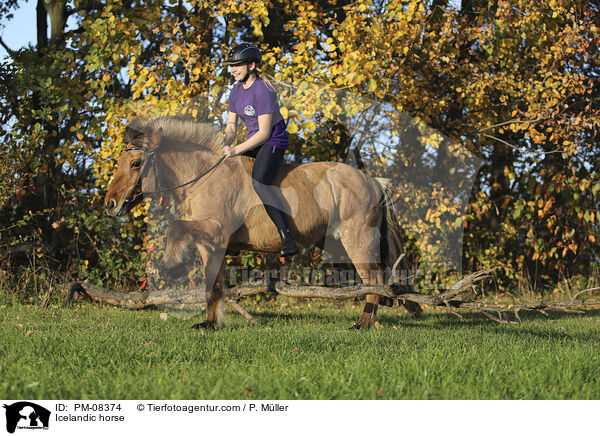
(243, 54)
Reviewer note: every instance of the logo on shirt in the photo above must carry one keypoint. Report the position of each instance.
(249, 110)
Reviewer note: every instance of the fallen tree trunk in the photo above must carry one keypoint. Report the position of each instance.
(143, 300)
(495, 312)
(132, 300)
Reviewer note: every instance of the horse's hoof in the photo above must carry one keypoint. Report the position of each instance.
(366, 321)
(360, 325)
(204, 326)
(386, 301)
(413, 308)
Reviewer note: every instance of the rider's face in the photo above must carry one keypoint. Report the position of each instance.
(240, 71)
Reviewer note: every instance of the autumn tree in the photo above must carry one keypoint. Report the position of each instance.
(407, 86)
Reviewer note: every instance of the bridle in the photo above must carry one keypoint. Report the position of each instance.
(150, 162)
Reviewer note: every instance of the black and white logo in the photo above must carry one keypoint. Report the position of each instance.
(249, 110)
(26, 415)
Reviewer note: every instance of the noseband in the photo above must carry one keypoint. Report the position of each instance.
(146, 168)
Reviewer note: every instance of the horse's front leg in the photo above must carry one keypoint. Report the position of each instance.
(183, 236)
(210, 239)
(214, 294)
(180, 242)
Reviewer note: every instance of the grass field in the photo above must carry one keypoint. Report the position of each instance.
(298, 350)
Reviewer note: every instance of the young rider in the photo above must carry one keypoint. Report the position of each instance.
(256, 103)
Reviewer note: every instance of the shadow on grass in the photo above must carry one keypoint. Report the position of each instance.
(432, 320)
(296, 316)
(441, 321)
(270, 315)
(474, 318)
(395, 315)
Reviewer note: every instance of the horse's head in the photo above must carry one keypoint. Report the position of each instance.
(125, 190)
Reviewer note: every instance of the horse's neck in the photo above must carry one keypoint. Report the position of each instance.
(181, 167)
(222, 185)
(173, 169)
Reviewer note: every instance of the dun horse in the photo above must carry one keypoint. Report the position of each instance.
(220, 210)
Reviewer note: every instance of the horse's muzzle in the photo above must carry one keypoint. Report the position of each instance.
(112, 208)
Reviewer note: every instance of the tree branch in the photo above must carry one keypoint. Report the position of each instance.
(141, 300)
(11, 52)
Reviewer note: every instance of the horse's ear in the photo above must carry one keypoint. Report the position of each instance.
(154, 138)
(135, 131)
(132, 135)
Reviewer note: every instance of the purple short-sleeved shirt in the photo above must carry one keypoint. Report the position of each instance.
(257, 100)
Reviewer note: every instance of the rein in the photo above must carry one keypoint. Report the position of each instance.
(150, 162)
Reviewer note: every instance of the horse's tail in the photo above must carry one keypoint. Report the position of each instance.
(391, 248)
(391, 234)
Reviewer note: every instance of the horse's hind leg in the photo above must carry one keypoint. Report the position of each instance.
(367, 318)
(413, 308)
(370, 273)
(363, 252)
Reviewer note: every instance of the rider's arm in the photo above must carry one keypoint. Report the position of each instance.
(230, 128)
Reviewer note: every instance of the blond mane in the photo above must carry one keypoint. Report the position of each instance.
(181, 133)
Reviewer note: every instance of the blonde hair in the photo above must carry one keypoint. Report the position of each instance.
(265, 78)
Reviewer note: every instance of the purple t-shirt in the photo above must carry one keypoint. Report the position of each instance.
(257, 100)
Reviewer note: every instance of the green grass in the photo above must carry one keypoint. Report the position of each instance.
(298, 350)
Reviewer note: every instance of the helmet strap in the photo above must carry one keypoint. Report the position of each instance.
(247, 76)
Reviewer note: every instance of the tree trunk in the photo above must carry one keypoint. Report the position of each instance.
(42, 26)
(57, 11)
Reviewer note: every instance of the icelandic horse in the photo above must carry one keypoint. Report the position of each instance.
(330, 204)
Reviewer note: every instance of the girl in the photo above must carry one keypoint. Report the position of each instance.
(256, 103)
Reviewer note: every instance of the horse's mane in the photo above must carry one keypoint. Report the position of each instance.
(177, 133)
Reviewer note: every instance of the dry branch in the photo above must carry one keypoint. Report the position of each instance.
(132, 300)
(140, 300)
(143, 300)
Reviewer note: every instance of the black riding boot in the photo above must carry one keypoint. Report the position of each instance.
(289, 247)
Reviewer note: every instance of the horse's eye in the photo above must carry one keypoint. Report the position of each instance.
(136, 164)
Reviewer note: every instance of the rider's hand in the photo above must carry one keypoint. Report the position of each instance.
(229, 151)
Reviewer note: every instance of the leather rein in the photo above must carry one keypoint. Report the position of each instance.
(150, 162)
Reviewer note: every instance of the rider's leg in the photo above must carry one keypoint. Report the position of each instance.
(265, 168)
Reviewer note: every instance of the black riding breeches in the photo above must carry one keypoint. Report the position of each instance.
(268, 159)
